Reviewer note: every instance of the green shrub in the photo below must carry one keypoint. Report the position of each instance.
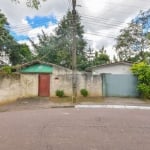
(84, 92)
(7, 69)
(142, 71)
(60, 93)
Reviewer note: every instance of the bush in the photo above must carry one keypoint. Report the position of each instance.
(142, 71)
(60, 93)
(6, 69)
(84, 92)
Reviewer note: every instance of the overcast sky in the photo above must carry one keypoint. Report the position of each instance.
(102, 19)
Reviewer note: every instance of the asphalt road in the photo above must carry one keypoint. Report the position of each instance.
(75, 129)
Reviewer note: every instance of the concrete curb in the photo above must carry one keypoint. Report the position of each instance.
(71, 106)
(114, 106)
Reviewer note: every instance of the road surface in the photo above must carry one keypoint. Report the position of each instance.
(75, 129)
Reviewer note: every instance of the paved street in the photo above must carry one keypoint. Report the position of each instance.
(75, 129)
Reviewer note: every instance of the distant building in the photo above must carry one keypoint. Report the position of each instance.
(2, 63)
(113, 68)
(4, 59)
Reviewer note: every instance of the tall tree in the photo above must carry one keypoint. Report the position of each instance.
(46, 48)
(143, 18)
(9, 47)
(131, 42)
(64, 38)
(58, 48)
(134, 41)
(6, 40)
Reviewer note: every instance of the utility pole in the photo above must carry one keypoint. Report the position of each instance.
(74, 54)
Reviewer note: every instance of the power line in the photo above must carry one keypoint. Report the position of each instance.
(99, 34)
(90, 20)
(102, 24)
(123, 5)
(99, 18)
(99, 23)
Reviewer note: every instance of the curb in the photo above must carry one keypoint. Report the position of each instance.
(71, 106)
(114, 107)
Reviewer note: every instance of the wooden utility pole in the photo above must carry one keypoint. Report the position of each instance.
(74, 54)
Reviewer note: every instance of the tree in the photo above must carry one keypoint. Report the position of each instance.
(101, 57)
(31, 3)
(143, 19)
(46, 48)
(134, 40)
(20, 54)
(9, 47)
(6, 40)
(58, 48)
(64, 38)
(131, 42)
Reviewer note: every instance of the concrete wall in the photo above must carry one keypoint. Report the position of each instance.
(26, 85)
(10, 88)
(29, 85)
(17, 86)
(114, 69)
(84, 81)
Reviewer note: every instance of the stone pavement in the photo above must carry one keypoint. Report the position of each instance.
(45, 103)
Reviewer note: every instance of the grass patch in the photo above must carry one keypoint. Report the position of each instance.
(79, 99)
(61, 99)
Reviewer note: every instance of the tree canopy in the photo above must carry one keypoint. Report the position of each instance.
(133, 43)
(57, 48)
(31, 3)
(17, 53)
(101, 57)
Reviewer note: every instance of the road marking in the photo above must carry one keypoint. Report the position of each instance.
(113, 106)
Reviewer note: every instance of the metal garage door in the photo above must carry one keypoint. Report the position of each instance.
(119, 85)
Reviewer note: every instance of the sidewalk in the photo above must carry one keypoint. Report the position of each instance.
(118, 103)
(45, 103)
(125, 101)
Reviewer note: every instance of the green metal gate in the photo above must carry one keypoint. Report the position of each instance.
(119, 85)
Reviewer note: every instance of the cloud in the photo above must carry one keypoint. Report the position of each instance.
(31, 27)
(34, 32)
(16, 12)
(103, 18)
(108, 19)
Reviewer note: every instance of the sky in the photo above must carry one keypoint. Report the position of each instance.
(102, 19)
